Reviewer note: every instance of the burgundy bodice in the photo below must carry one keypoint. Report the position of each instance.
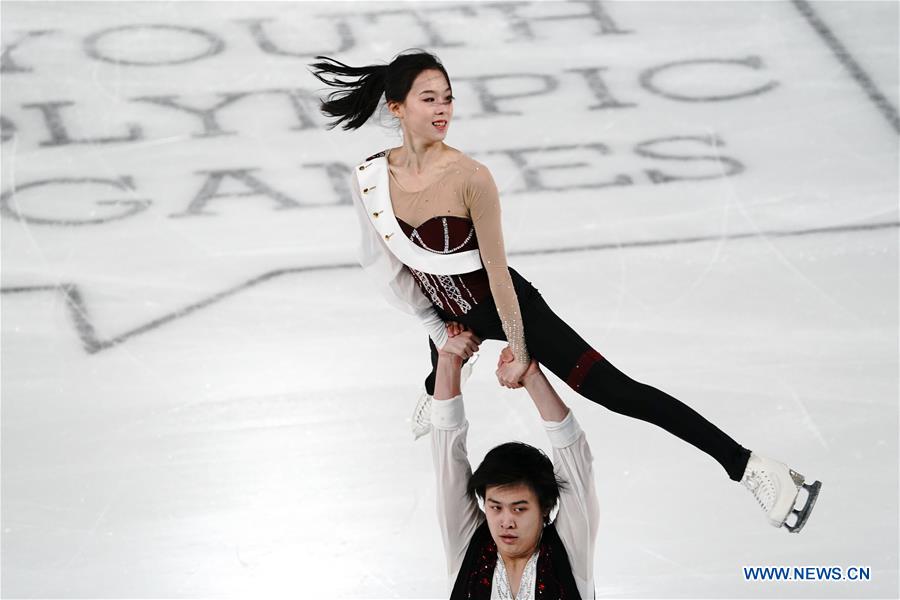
(455, 294)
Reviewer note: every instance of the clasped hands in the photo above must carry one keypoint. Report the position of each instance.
(463, 343)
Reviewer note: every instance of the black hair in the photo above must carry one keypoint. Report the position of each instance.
(362, 87)
(516, 463)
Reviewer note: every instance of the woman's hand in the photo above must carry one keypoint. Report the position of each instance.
(460, 342)
(510, 371)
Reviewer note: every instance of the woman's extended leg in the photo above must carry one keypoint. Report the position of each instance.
(558, 347)
(554, 344)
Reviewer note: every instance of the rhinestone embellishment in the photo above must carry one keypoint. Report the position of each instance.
(526, 583)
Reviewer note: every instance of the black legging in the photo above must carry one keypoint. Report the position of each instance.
(558, 347)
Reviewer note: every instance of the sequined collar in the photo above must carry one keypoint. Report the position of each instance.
(526, 583)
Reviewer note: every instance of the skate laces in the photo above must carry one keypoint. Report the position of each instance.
(422, 412)
(761, 486)
(421, 417)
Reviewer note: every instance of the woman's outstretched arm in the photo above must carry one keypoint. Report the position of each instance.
(483, 203)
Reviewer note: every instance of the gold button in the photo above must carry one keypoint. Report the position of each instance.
(388, 236)
(375, 214)
(362, 167)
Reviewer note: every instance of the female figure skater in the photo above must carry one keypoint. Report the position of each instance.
(432, 239)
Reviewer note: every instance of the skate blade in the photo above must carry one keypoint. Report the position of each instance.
(803, 514)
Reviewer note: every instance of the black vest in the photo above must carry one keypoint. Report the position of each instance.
(553, 580)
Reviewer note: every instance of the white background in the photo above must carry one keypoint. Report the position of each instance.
(239, 426)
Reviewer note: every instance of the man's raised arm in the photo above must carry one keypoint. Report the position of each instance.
(458, 513)
(578, 516)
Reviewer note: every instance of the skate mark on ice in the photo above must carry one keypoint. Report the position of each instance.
(807, 419)
(709, 238)
(93, 343)
(89, 535)
(846, 59)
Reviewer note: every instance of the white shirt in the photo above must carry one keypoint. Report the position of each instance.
(459, 515)
(393, 281)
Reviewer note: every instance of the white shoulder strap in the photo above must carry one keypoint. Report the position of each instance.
(372, 178)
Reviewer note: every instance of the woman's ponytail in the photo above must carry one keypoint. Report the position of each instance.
(360, 93)
(361, 88)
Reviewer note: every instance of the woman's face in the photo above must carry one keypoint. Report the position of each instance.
(426, 112)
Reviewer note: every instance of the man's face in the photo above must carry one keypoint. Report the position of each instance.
(514, 518)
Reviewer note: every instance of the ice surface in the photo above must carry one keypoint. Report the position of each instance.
(202, 396)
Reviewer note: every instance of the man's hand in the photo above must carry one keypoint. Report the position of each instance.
(460, 342)
(506, 356)
(509, 371)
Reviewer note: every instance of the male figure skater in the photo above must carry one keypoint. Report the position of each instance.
(513, 549)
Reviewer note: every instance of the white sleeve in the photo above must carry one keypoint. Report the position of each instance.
(458, 513)
(578, 516)
(391, 277)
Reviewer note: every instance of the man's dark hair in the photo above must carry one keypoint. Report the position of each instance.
(516, 463)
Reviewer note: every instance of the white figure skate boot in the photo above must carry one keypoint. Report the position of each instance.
(421, 417)
(776, 488)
